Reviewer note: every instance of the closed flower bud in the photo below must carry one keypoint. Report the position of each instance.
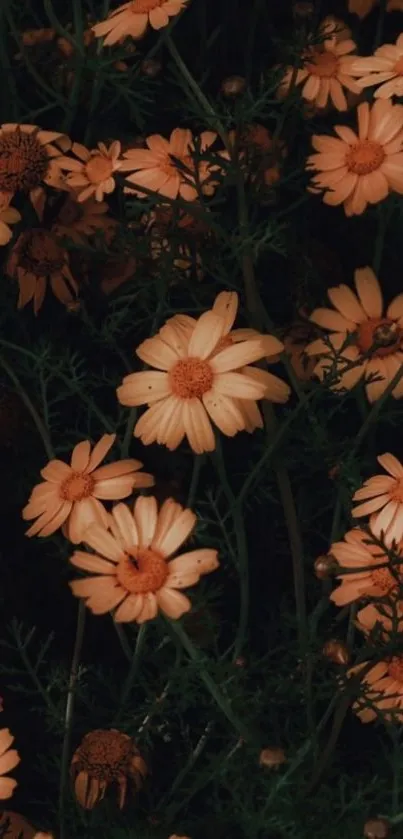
(336, 652)
(376, 829)
(325, 566)
(303, 9)
(233, 86)
(273, 757)
(151, 67)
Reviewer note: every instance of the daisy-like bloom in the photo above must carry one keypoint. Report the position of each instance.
(362, 8)
(386, 616)
(375, 339)
(383, 496)
(79, 220)
(364, 577)
(92, 172)
(384, 68)
(9, 759)
(8, 215)
(106, 757)
(326, 71)
(198, 379)
(36, 259)
(29, 158)
(132, 19)
(382, 690)
(169, 167)
(135, 572)
(364, 169)
(71, 495)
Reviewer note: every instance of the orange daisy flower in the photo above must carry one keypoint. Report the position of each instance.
(79, 220)
(70, 494)
(362, 8)
(132, 19)
(136, 575)
(35, 259)
(198, 380)
(364, 578)
(93, 172)
(29, 158)
(104, 758)
(374, 339)
(8, 215)
(364, 169)
(383, 496)
(9, 759)
(385, 615)
(382, 689)
(384, 68)
(326, 71)
(157, 167)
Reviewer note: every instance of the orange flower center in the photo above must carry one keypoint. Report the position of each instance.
(395, 668)
(141, 7)
(397, 492)
(23, 161)
(98, 169)
(142, 570)
(381, 335)
(77, 486)
(105, 754)
(398, 68)
(365, 157)
(322, 63)
(190, 378)
(40, 253)
(383, 578)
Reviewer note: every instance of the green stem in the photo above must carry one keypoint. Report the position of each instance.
(123, 641)
(383, 219)
(33, 675)
(131, 676)
(59, 28)
(198, 462)
(69, 716)
(39, 423)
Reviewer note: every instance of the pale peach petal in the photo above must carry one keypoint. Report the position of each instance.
(347, 303)
(56, 471)
(130, 609)
(333, 320)
(239, 386)
(6, 738)
(99, 451)
(206, 335)
(275, 389)
(81, 455)
(197, 426)
(395, 309)
(173, 603)
(224, 412)
(146, 515)
(9, 761)
(149, 609)
(369, 292)
(169, 512)
(113, 489)
(145, 387)
(167, 541)
(105, 597)
(82, 515)
(369, 507)
(226, 306)
(391, 464)
(92, 563)
(157, 353)
(126, 526)
(102, 542)
(51, 520)
(232, 358)
(199, 562)
(7, 787)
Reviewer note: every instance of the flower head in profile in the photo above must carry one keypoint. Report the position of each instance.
(9, 759)
(382, 496)
(198, 379)
(29, 158)
(80, 220)
(369, 572)
(8, 215)
(384, 68)
(37, 259)
(362, 8)
(326, 71)
(169, 166)
(103, 758)
(132, 19)
(135, 572)
(381, 690)
(375, 340)
(92, 172)
(360, 169)
(71, 495)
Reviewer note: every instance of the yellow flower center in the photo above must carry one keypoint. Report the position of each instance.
(190, 378)
(322, 63)
(395, 668)
(98, 169)
(365, 157)
(105, 754)
(381, 335)
(383, 578)
(398, 68)
(23, 161)
(77, 486)
(141, 7)
(40, 253)
(142, 570)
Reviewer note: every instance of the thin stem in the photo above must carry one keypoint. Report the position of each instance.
(39, 423)
(198, 462)
(37, 682)
(69, 715)
(123, 641)
(131, 676)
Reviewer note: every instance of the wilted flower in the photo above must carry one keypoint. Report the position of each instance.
(106, 757)
(29, 158)
(79, 220)
(36, 259)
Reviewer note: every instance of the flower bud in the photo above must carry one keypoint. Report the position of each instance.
(376, 829)
(325, 566)
(233, 86)
(272, 757)
(151, 67)
(336, 651)
(303, 9)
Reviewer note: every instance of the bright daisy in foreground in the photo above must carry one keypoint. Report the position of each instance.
(196, 381)
(357, 170)
(9, 759)
(132, 19)
(368, 570)
(375, 339)
(382, 495)
(384, 68)
(71, 495)
(135, 572)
